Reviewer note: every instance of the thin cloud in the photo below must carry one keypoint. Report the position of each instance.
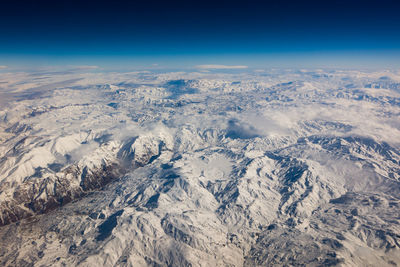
(223, 67)
(3, 67)
(85, 67)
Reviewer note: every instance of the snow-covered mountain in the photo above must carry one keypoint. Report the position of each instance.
(274, 167)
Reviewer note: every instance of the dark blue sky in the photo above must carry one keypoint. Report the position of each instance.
(152, 31)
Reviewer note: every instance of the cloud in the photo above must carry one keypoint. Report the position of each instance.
(220, 67)
(85, 67)
(3, 67)
(241, 130)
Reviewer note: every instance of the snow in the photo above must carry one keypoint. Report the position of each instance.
(271, 168)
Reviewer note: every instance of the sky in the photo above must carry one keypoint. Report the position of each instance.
(187, 33)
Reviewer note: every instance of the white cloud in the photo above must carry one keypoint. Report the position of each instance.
(3, 67)
(85, 67)
(220, 67)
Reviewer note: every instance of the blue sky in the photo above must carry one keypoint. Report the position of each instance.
(186, 33)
